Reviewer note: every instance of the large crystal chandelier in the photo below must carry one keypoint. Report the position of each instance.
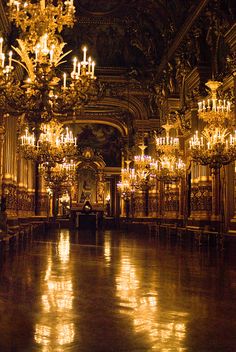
(44, 94)
(127, 184)
(38, 18)
(142, 170)
(168, 167)
(54, 145)
(59, 176)
(216, 144)
(166, 144)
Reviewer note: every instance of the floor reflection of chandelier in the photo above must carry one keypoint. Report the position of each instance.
(54, 145)
(216, 145)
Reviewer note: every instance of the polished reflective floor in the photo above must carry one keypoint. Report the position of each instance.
(115, 291)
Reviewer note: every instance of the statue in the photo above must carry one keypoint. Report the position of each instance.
(86, 191)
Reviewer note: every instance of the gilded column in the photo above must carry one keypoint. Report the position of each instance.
(10, 165)
(2, 137)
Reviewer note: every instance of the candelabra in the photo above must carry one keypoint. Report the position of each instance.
(216, 146)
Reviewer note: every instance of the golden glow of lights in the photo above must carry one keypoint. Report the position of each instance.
(65, 333)
(144, 309)
(59, 286)
(52, 333)
(63, 248)
(42, 334)
(107, 249)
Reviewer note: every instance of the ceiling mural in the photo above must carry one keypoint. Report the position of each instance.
(103, 139)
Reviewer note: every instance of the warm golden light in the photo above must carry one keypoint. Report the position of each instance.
(54, 144)
(216, 144)
(57, 300)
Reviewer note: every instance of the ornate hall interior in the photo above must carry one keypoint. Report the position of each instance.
(118, 133)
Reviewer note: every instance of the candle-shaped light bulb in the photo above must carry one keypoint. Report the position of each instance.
(79, 67)
(42, 4)
(3, 59)
(74, 64)
(1, 42)
(93, 66)
(64, 80)
(84, 50)
(37, 52)
(51, 55)
(10, 58)
(89, 65)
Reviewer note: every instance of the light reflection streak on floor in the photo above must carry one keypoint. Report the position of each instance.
(113, 292)
(143, 307)
(55, 327)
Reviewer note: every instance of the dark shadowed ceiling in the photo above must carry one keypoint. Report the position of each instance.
(126, 33)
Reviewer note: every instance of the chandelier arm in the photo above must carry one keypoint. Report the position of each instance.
(22, 65)
(62, 57)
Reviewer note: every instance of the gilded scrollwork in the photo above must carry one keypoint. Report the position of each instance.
(201, 198)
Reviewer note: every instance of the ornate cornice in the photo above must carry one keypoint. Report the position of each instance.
(182, 34)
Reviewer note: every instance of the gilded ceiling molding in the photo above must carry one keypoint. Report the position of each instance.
(131, 104)
(183, 31)
(110, 121)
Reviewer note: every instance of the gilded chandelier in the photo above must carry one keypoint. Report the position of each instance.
(44, 95)
(166, 144)
(59, 176)
(39, 18)
(127, 184)
(142, 169)
(216, 146)
(54, 145)
(169, 167)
